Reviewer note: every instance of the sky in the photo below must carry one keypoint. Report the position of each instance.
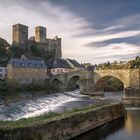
(94, 31)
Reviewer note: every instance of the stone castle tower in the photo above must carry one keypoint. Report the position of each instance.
(50, 46)
(40, 34)
(20, 34)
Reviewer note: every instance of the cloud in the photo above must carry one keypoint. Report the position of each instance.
(79, 39)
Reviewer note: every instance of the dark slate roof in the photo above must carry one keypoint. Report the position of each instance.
(15, 62)
(75, 63)
(58, 63)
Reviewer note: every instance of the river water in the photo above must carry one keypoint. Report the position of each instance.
(128, 129)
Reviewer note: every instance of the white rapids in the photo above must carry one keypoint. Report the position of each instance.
(38, 106)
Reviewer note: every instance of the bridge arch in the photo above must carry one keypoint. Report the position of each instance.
(122, 75)
(73, 82)
(101, 83)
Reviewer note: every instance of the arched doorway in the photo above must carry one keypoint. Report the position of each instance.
(73, 83)
(56, 85)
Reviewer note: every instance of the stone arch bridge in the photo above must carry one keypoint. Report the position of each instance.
(88, 80)
(67, 81)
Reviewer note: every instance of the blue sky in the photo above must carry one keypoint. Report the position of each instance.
(92, 30)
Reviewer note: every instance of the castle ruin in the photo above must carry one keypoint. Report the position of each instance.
(50, 46)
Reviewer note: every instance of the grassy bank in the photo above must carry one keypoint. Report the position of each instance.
(36, 121)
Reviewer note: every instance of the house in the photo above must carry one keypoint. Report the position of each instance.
(58, 66)
(74, 64)
(26, 70)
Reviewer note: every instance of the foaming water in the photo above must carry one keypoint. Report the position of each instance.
(39, 106)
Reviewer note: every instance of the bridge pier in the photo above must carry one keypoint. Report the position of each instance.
(132, 97)
(87, 86)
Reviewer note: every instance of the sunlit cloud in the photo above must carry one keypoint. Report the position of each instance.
(80, 39)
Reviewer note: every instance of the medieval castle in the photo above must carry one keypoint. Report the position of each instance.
(20, 39)
(28, 70)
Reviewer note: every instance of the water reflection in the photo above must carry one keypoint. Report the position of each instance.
(128, 129)
(103, 132)
(132, 124)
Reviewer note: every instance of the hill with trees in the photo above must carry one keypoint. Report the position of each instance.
(135, 63)
(8, 51)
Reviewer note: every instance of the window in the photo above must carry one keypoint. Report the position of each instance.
(0, 70)
(29, 64)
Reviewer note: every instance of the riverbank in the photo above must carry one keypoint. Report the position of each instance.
(6, 97)
(61, 126)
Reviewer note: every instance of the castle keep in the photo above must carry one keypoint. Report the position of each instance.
(20, 34)
(50, 46)
(40, 34)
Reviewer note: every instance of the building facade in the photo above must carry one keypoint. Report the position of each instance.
(26, 70)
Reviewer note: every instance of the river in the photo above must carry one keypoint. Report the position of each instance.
(128, 129)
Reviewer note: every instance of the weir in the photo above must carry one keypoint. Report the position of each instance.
(63, 127)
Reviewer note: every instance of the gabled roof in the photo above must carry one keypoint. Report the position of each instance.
(74, 62)
(58, 63)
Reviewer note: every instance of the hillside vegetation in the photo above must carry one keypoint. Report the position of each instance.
(8, 51)
(135, 63)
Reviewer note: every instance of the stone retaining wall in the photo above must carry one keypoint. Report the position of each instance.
(67, 127)
(131, 101)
